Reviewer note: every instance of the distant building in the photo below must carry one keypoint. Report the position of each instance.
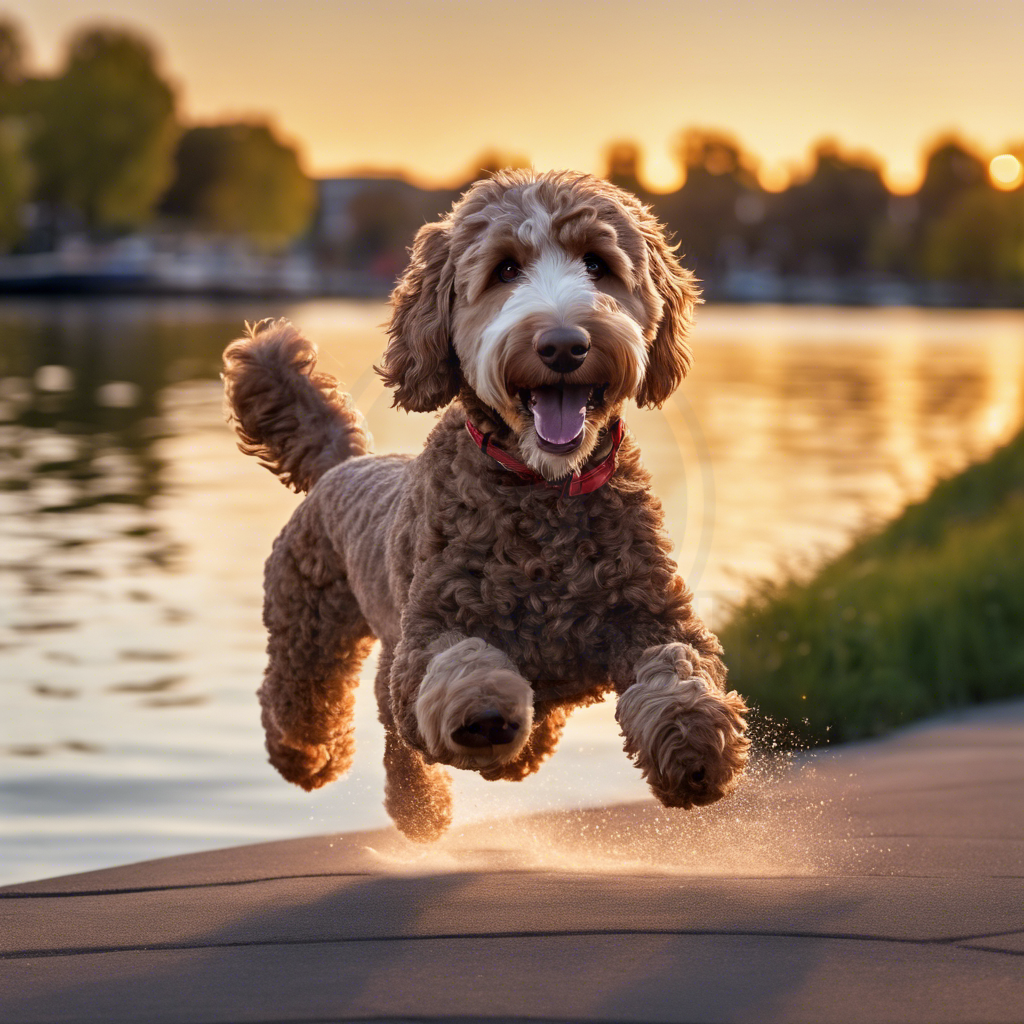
(368, 222)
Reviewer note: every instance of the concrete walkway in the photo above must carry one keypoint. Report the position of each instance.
(878, 882)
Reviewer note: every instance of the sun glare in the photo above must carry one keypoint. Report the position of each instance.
(1006, 171)
(661, 171)
(773, 177)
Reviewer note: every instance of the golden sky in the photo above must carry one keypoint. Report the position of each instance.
(427, 86)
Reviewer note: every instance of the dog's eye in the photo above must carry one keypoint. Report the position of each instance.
(507, 271)
(595, 266)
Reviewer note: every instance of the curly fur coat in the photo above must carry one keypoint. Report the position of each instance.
(499, 605)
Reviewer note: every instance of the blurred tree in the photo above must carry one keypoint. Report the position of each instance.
(979, 240)
(15, 182)
(490, 161)
(952, 172)
(241, 179)
(951, 169)
(484, 165)
(105, 131)
(717, 211)
(622, 163)
(12, 55)
(892, 245)
(15, 171)
(827, 223)
(715, 154)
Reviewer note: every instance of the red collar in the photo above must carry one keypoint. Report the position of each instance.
(573, 485)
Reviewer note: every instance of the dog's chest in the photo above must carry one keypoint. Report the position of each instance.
(557, 581)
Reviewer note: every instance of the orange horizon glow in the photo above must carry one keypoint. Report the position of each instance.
(774, 177)
(428, 88)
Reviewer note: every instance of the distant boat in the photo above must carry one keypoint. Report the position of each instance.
(54, 273)
(179, 265)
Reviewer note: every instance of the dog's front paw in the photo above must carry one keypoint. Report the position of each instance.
(686, 735)
(474, 710)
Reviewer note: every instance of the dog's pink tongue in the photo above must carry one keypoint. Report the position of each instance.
(559, 413)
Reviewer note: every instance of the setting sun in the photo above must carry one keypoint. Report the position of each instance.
(1006, 171)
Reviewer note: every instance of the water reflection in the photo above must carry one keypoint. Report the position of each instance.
(132, 537)
(82, 548)
(78, 423)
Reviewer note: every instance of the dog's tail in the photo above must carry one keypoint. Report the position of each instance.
(292, 418)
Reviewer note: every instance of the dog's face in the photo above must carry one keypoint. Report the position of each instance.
(555, 298)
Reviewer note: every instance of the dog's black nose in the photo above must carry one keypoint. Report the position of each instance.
(488, 729)
(563, 349)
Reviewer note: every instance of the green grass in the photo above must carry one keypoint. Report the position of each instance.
(924, 615)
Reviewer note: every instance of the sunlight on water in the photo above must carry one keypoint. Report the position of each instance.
(132, 537)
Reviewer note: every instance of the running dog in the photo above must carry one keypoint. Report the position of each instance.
(517, 567)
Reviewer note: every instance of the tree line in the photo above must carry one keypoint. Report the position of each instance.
(100, 148)
(840, 219)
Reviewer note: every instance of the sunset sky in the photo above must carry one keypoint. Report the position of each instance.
(427, 86)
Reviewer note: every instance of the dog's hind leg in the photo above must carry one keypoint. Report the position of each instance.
(417, 795)
(318, 640)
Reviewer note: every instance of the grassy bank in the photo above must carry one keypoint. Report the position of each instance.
(924, 615)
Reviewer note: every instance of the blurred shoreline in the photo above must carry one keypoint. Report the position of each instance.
(108, 185)
(194, 267)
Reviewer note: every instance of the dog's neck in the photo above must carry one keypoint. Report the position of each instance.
(487, 421)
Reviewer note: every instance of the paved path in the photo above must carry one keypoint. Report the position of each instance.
(878, 882)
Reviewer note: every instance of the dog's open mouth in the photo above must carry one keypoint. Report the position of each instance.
(560, 413)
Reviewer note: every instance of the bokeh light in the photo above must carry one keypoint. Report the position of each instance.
(1006, 171)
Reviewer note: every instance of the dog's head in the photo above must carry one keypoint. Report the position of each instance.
(554, 297)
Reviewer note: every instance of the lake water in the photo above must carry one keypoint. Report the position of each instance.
(132, 537)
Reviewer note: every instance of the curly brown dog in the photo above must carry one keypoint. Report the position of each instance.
(518, 567)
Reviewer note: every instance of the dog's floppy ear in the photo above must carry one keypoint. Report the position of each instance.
(668, 357)
(420, 362)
